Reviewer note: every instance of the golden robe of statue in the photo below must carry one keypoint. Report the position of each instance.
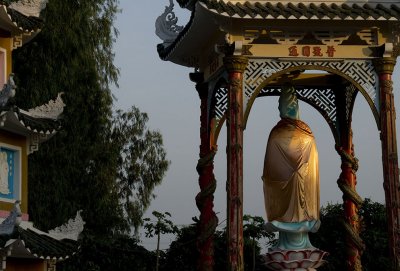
(291, 176)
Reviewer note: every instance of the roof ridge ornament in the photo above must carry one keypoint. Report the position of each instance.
(8, 91)
(52, 110)
(29, 7)
(166, 25)
(70, 230)
(13, 220)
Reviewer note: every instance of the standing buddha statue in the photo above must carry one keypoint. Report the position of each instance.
(291, 177)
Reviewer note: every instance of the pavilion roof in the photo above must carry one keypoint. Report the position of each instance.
(378, 11)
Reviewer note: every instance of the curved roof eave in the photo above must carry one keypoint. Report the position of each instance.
(18, 23)
(18, 122)
(187, 48)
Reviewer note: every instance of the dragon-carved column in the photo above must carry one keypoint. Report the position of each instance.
(205, 198)
(235, 65)
(385, 67)
(348, 180)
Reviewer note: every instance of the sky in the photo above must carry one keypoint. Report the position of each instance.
(164, 91)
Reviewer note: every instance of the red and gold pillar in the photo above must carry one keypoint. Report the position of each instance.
(348, 179)
(351, 201)
(385, 67)
(205, 198)
(235, 65)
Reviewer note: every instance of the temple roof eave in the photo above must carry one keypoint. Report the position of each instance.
(207, 14)
(18, 121)
(17, 23)
(187, 47)
(20, 239)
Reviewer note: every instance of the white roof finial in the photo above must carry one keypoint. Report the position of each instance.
(29, 7)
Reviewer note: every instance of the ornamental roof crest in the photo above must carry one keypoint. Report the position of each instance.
(29, 7)
(52, 110)
(166, 25)
(70, 230)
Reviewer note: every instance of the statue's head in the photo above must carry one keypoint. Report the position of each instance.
(288, 104)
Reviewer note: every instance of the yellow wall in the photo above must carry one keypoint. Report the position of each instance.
(18, 141)
(6, 43)
(14, 264)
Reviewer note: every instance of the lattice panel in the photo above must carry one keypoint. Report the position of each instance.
(324, 99)
(221, 102)
(362, 72)
(350, 95)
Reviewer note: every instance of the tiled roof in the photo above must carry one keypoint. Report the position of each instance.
(40, 125)
(43, 246)
(20, 118)
(40, 245)
(26, 23)
(323, 11)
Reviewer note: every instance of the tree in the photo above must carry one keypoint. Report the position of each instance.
(331, 237)
(76, 168)
(91, 163)
(141, 165)
(182, 253)
(162, 226)
(253, 228)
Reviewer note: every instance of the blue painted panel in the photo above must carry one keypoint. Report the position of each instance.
(7, 172)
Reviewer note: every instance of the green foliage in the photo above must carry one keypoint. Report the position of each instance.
(105, 164)
(142, 163)
(331, 237)
(120, 253)
(253, 229)
(182, 253)
(76, 169)
(162, 226)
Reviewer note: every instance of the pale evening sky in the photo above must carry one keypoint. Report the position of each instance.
(164, 91)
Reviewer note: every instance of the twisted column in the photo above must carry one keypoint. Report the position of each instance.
(385, 67)
(205, 198)
(235, 66)
(352, 203)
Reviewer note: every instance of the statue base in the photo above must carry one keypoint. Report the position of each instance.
(294, 260)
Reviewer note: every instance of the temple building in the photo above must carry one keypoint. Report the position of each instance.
(22, 246)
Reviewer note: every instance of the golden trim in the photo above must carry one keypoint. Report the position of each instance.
(235, 63)
(384, 65)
